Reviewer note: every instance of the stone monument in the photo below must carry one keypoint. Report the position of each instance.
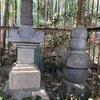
(76, 65)
(25, 77)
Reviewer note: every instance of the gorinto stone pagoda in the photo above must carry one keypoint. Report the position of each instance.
(77, 64)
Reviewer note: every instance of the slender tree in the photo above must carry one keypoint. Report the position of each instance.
(5, 22)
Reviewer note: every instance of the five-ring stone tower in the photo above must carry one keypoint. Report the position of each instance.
(77, 64)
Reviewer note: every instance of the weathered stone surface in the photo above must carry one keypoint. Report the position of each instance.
(75, 88)
(61, 61)
(60, 50)
(24, 79)
(75, 75)
(38, 57)
(77, 64)
(79, 60)
(25, 55)
(79, 32)
(26, 31)
(24, 67)
(26, 21)
(19, 94)
(77, 44)
(26, 12)
(26, 34)
(26, 5)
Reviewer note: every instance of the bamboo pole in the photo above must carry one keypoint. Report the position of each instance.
(5, 23)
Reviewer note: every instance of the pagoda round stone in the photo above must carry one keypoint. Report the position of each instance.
(79, 32)
(77, 44)
(75, 75)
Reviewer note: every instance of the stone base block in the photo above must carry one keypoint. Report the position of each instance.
(75, 88)
(19, 94)
(24, 79)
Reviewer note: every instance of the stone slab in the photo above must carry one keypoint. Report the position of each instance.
(25, 55)
(19, 94)
(24, 79)
(24, 67)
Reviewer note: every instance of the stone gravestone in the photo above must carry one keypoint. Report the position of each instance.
(76, 65)
(25, 77)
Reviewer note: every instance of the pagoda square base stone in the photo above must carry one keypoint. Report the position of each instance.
(75, 88)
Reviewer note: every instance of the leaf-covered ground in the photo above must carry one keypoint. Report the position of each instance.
(52, 79)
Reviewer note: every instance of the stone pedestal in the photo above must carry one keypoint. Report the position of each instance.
(75, 88)
(21, 78)
(76, 65)
(25, 77)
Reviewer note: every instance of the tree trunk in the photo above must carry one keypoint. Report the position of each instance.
(5, 23)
